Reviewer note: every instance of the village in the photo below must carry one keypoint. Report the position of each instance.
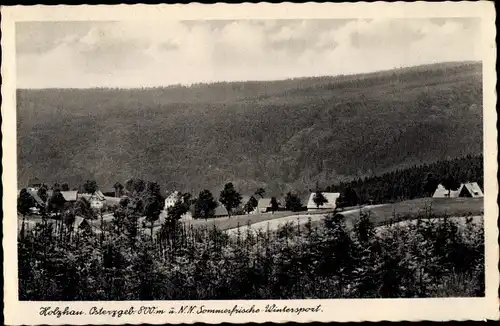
(249, 236)
(248, 212)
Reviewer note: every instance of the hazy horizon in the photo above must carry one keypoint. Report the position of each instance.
(150, 54)
(250, 81)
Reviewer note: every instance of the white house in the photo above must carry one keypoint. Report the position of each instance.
(171, 200)
(469, 189)
(331, 204)
(97, 199)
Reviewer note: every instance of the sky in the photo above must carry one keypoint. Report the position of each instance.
(132, 54)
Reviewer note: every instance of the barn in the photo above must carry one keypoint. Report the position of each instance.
(331, 204)
(469, 189)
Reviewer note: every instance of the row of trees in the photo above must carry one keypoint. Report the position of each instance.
(414, 182)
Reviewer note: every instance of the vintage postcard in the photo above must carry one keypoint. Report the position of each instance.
(249, 163)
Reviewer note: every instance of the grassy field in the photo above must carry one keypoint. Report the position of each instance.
(379, 214)
(409, 209)
(225, 223)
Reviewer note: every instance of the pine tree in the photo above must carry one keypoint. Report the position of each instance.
(230, 198)
(319, 199)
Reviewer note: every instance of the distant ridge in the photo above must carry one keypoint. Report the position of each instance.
(304, 78)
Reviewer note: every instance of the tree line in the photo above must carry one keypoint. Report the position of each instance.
(147, 199)
(413, 182)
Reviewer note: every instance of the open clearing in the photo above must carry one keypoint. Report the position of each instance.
(381, 214)
(410, 209)
(459, 220)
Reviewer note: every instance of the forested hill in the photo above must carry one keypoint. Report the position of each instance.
(283, 135)
(413, 182)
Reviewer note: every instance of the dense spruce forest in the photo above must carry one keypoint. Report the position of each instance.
(414, 182)
(280, 135)
(433, 258)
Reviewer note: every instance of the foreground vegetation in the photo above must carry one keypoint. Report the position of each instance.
(431, 258)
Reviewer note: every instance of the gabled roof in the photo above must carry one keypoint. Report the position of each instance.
(37, 198)
(264, 202)
(330, 196)
(220, 210)
(99, 195)
(471, 187)
(70, 195)
(244, 199)
(441, 192)
(172, 196)
(474, 189)
(79, 222)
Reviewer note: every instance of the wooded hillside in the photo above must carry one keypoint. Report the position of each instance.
(282, 135)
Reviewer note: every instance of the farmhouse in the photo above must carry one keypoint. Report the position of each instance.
(70, 196)
(331, 204)
(220, 211)
(113, 201)
(171, 200)
(97, 199)
(39, 203)
(469, 189)
(263, 206)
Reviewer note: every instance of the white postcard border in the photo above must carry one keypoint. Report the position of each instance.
(341, 310)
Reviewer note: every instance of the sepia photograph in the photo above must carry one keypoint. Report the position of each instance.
(249, 159)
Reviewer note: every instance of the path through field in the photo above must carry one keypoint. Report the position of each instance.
(296, 219)
(276, 223)
(380, 213)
